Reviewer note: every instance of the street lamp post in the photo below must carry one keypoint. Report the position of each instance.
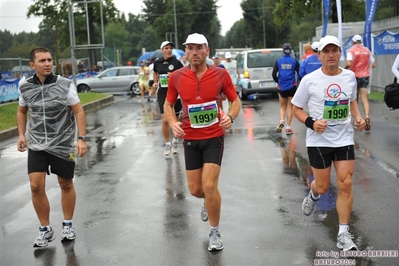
(264, 28)
(72, 39)
(174, 12)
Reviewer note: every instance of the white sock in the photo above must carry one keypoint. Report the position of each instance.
(314, 197)
(213, 228)
(67, 221)
(175, 140)
(343, 228)
(168, 143)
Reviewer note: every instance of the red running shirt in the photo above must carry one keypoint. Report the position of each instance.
(192, 91)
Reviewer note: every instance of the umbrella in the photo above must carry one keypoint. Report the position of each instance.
(176, 52)
(144, 57)
(156, 54)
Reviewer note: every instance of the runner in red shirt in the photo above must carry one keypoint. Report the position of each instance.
(360, 60)
(200, 87)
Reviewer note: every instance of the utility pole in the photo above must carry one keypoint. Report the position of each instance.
(264, 27)
(174, 11)
(72, 38)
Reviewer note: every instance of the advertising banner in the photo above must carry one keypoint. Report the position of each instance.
(8, 90)
(386, 43)
(326, 16)
(346, 46)
(371, 6)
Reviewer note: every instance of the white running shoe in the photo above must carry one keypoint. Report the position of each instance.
(46, 234)
(68, 232)
(167, 149)
(344, 242)
(215, 241)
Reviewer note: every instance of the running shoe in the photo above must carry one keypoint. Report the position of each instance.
(215, 240)
(204, 213)
(308, 205)
(288, 131)
(46, 234)
(167, 149)
(68, 232)
(175, 148)
(280, 126)
(368, 124)
(344, 242)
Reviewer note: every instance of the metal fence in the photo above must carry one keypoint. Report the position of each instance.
(15, 68)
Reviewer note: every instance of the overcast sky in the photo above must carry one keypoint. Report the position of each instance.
(13, 14)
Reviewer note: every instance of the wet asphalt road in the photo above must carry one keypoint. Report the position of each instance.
(134, 208)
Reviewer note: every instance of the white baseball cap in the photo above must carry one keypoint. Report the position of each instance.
(328, 39)
(315, 46)
(196, 38)
(227, 55)
(163, 44)
(357, 38)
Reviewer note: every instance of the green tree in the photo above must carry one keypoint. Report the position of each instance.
(352, 10)
(116, 34)
(237, 36)
(55, 16)
(255, 13)
(5, 41)
(191, 16)
(141, 35)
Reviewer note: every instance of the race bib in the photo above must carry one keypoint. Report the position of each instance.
(163, 80)
(203, 115)
(336, 110)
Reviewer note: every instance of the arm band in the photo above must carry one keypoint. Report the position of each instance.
(309, 122)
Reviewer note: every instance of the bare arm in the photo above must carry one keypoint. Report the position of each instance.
(156, 79)
(348, 64)
(21, 125)
(81, 146)
(170, 116)
(235, 108)
(359, 122)
(238, 73)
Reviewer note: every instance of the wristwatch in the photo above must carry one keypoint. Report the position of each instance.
(82, 138)
(231, 118)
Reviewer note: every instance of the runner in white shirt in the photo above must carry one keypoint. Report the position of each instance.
(329, 94)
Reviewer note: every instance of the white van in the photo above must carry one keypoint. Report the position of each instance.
(256, 66)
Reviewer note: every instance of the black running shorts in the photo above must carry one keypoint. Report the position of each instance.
(362, 82)
(198, 152)
(322, 157)
(161, 101)
(41, 161)
(288, 93)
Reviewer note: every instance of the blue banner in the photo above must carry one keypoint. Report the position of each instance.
(326, 16)
(386, 43)
(371, 6)
(346, 46)
(8, 90)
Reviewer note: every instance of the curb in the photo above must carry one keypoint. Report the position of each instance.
(88, 107)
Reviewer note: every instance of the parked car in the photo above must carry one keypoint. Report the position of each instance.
(112, 80)
(256, 67)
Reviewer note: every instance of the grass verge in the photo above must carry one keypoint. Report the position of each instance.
(8, 112)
